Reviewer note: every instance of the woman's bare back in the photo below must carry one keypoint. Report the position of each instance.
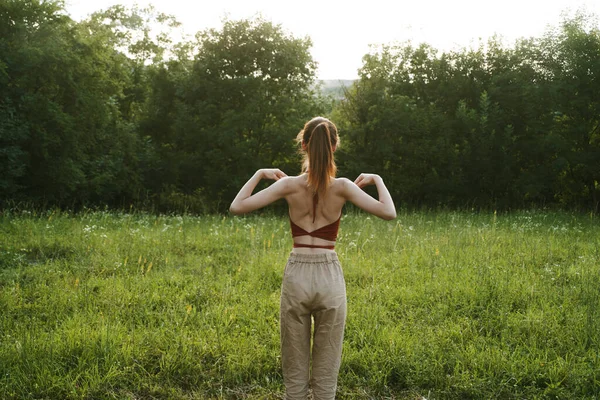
(301, 212)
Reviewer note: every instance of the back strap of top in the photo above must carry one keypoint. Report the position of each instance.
(313, 246)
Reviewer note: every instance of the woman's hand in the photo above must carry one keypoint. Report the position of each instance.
(272, 173)
(366, 180)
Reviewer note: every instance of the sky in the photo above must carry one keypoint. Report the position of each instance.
(342, 31)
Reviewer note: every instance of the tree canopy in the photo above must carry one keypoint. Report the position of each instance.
(492, 126)
(113, 111)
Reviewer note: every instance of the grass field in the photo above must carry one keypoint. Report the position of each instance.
(442, 305)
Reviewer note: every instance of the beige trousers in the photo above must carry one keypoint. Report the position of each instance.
(313, 288)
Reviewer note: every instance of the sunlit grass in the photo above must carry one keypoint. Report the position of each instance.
(446, 305)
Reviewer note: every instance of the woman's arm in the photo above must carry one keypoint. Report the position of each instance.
(245, 201)
(384, 208)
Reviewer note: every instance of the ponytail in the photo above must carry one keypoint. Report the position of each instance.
(320, 136)
(320, 160)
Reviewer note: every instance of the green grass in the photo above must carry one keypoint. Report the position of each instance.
(445, 305)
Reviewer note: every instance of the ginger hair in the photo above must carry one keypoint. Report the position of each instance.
(319, 139)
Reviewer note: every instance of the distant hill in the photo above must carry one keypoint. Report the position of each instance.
(335, 87)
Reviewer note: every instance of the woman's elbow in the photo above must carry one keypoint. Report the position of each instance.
(389, 216)
(388, 213)
(235, 209)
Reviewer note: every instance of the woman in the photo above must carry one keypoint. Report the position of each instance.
(313, 283)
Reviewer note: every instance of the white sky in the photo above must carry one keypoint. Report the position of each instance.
(341, 31)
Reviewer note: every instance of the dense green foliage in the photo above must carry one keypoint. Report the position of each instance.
(108, 112)
(448, 305)
(112, 111)
(492, 126)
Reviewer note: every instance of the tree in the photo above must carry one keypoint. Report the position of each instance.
(571, 57)
(235, 108)
(69, 104)
(489, 126)
(45, 151)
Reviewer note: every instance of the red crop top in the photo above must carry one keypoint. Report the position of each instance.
(327, 232)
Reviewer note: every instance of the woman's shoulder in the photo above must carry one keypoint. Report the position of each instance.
(296, 179)
(294, 182)
(341, 181)
(340, 184)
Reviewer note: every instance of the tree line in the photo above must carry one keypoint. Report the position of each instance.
(111, 111)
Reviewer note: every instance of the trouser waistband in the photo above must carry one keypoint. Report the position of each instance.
(314, 258)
